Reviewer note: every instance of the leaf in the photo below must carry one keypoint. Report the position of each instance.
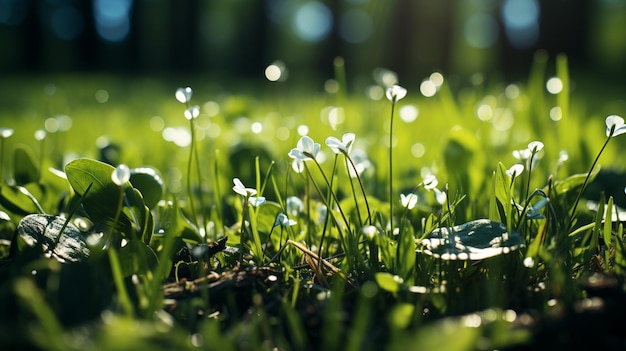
(388, 282)
(475, 240)
(137, 258)
(102, 200)
(25, 169)
(574, 181)
(65, 244)
(149, 183)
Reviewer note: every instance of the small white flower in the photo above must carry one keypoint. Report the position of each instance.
(408, 201)
(183, 95)
(284, 221)
(535, 146)
(344, 146)
(522, 155)
(369, 231)
(535, 209)
(120, 175)
(305, 149)
(294, 205)
(297, 165)
(395, 93)
(616, 124)
(515, 170)
(256, 201)
(430, 182)
(563, 156)
(192, 112)
(440, 196)
(6, 133)
(241, 189)
(361, 162)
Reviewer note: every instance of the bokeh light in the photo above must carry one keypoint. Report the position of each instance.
(313, 21)
(112, 19)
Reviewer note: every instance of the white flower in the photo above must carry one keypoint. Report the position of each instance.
(361, 163)
(536, 208)
(563, 156)
(440, 196)
(305, 150)
(615, 124)
(395, 93)
(284, 221)
(256, 201)
(192, 112)
(515, 170)
(183, 95)
(241, 189)
(430, 182)
(522, 155)
(294, 205)
(120, 175)
(344, 146)
(409, 201)
(6, 133)
(535, 146)
(369, 231)
(297, 165)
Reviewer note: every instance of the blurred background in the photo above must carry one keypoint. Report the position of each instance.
(240, 38)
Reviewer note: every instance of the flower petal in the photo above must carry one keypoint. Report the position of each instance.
(395, 93)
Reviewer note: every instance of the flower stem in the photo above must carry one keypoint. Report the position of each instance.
(582, 189)
(369, 214)
(393, 105)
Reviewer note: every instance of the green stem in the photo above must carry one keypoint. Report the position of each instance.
(582, 189)
(192, 207)
(367, 205)
(393, 104)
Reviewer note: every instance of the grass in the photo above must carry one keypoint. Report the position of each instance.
(306, 256)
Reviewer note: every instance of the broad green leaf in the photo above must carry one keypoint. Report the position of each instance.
(574, 181)
(103, 199)
(25, 169)
(388, 282)
(149, 183)
(475, 240)
(137, 258)
(64, 243)
(20, 199)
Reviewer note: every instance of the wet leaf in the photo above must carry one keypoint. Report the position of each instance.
(65, 244)
(475, 240)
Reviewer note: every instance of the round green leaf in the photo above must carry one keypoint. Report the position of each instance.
(149, 183)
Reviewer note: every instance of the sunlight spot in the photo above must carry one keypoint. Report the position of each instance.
(241, 124)
(331, 86)
(211, 108)
(503, 119)
(428, 88)
(256, 127)
(303, 130)
(157, 123)
(510, 316)
(521, 22)
(112, 19)
(375, 92)
(552, 302)
(179, 136)
(40, 134)
(272, 73)
(554, 85)
(282, 133)
(556, 113)
(418, 150)
(102, 96)
(313, 21)
(484, 112)
(336, 116)
(52, 125)
(408, 113)
(472, 320)
(529, 262)
(437, 79)
(214, 131)
(511, 91)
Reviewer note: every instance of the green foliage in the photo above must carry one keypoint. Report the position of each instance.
(172, 258)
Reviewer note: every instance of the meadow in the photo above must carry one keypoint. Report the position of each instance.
(458, 214)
